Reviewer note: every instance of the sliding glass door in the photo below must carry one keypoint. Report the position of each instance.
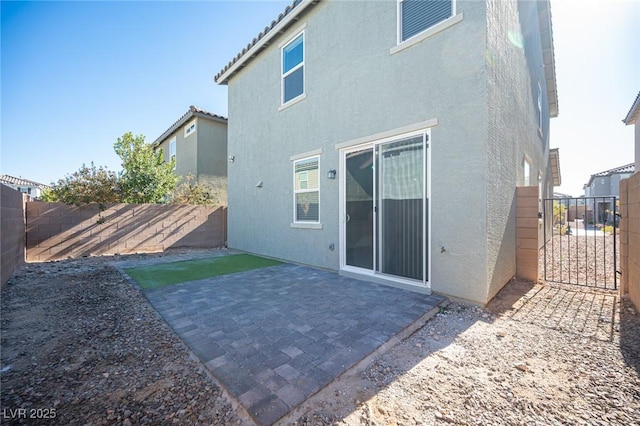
(385, 208)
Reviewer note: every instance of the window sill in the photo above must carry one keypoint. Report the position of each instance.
(441, 26)
(293, 102)
(302, 225)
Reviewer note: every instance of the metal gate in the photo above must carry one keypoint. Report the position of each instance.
(580, 241)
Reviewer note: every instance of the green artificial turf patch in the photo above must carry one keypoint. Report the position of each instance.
(190, 270)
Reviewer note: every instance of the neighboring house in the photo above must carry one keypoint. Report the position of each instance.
(633, 118)
(386, 139)
(198, 142)
(29, 187)
(605, 184)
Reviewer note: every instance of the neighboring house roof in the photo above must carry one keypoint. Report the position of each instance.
(629, 168)
(554, 161)
(14, 181)
(634, 112)
(192, 112)
(293, 13)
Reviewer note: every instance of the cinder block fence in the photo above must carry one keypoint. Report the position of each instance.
(11, 232)
(58, 231)
(630, 238)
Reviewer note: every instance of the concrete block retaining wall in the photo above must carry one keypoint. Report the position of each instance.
(528, 233)
(630, 238)
(58, 231)
(12, 240)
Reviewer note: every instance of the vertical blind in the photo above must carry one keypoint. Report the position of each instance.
(418, 15)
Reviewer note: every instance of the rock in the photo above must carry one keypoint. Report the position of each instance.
(521, 366)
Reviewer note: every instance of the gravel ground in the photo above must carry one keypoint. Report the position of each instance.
(80, 340)
(82, 346)
(509, 364)
(581, 259)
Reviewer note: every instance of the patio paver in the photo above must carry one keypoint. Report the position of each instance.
(275, 336)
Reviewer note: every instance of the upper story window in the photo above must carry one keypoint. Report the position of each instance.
(190, 128)
(293, 69)
(172, 149)
(306, 190)
(416, 16)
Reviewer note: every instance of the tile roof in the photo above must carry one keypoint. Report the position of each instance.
(14, 181)
(261, 41)
(193, 111)
(629, 168)
(634, 112)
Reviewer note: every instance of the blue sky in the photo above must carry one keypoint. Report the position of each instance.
(77, 75)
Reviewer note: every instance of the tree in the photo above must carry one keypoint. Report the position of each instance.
(206, 191)
(87, 185)
(145, 178)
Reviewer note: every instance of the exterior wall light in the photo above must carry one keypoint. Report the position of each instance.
(232, 158)
(331, 174)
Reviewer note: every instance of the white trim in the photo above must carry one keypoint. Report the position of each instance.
(313, 153)
(400, 131)
(187, 133)
(292, 101)
(423, 285)
(306, 225)
(293, 35)
(440, 26)
(306, 190)
(284, 75)
(273, 32)
(173, 141)
(390, 280)
(526, 161)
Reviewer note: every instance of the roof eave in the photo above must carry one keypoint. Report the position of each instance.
(548, 56)
(634, 112)
(554, 160)
(264, 42)
(186, 117)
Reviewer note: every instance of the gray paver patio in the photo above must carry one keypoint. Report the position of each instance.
(275, 336)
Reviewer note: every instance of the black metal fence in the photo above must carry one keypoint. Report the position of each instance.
(580, 241)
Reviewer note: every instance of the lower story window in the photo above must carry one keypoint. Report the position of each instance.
(306, 190)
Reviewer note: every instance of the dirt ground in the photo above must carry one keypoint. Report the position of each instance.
(80, 345)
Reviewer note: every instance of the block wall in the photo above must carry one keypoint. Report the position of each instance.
(12, 240)
(630, 238)
(528, 230)
(58, 231)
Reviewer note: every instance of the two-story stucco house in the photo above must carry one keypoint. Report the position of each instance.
(605, 184)
(198, 142)
(25, 186)
(386, 139)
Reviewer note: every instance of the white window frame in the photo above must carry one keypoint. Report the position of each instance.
(526, 171)
(190, 128)
(427, 32)
(283, 75)
(306, 223)
(173, 150)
